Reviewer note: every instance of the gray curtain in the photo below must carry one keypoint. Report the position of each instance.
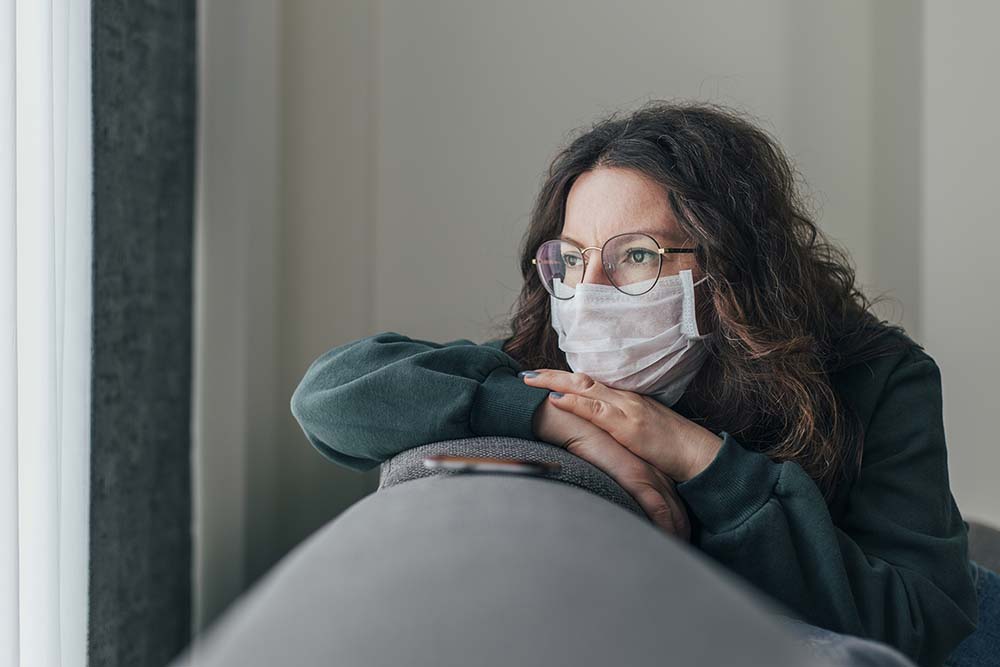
(144, 105)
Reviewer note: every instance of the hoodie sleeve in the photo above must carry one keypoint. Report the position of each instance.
(365, 401)
(894, 569)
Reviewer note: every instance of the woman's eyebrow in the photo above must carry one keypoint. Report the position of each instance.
(658, 234)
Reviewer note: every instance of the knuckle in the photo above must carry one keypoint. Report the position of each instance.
(662, 513)
(663, 482)
(639, 475)
(647, 493)
(665, 515)
(656, 505)
(639, 419)
(658, 509)
(583, 382)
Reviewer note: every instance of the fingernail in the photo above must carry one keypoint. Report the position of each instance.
(527, 374)
(556, 394)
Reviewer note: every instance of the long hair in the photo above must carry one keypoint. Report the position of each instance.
(786, 310)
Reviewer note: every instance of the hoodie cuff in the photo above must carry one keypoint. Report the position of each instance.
(505, 405)
(736, 484)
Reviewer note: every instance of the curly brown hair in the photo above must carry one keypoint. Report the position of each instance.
(786, 310)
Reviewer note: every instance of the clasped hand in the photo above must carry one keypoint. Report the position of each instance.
(643, 445)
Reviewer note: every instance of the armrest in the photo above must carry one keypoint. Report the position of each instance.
(408, 465)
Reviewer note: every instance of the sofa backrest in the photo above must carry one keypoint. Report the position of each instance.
(408, 465)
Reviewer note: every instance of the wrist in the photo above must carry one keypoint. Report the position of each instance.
(538, 420)
(551, 425)
(702, 447)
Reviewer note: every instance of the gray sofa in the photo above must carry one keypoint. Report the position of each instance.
(984, 540)
(490, 569)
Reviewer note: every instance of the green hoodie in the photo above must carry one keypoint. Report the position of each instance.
(887, 559)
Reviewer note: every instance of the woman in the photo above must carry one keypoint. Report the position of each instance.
(685, 327)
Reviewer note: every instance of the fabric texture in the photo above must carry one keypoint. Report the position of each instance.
(408, 465)
(885, 559)
(144, 106)
(362, 403)
(845, 649)
(893, 565)
(982, 647)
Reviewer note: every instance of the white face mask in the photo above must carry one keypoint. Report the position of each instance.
(648, 344)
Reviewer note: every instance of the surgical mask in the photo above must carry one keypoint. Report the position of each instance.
(648, 343)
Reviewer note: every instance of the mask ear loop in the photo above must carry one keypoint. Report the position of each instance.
(688, 324)
(689, 318)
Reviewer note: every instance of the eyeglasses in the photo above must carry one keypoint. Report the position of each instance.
(632, 262)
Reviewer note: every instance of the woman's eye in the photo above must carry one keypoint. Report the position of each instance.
(638, 256)
(570, 260)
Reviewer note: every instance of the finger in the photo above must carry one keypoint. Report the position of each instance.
(656, 507)
(681, 520)
(609, 417)
(576, 383)
(630, 426)
(612, 410)
(637, 478)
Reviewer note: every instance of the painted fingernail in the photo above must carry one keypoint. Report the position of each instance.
(556, 394)
(527, 374)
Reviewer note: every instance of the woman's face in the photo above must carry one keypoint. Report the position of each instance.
(608, 201)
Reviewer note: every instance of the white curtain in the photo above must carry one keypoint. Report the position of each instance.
(45, 306)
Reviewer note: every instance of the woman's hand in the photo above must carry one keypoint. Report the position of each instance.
(674, 445)
(653, 490)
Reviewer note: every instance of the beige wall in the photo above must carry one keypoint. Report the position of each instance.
(406, 142)
(235, 406)
(960, 278)
(473, 100)
(327, 226)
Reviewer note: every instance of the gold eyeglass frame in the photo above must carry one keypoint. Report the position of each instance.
(583, 253)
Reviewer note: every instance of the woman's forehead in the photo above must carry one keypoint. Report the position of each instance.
(609, 201)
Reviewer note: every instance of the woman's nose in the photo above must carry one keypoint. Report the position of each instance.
(594, 272)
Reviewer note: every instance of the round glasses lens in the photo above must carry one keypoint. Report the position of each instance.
(560, 267)
(632, 262)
